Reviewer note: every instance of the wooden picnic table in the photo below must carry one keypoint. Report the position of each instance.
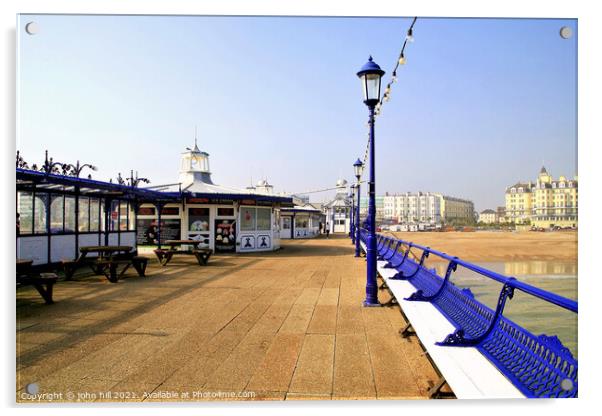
(104, 251)
(202, 254)
(43, 282)
(107, 262)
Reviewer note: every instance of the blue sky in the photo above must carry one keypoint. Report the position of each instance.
(480, 104)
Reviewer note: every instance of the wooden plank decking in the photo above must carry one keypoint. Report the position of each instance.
(284, 325)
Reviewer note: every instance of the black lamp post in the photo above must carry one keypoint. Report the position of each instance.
(370, 76)
(358, 166)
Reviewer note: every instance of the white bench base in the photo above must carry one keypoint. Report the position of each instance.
(468, 372)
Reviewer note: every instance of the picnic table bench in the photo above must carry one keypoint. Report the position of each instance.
(165, 255)
(108, 261)
(43, 282)
(479, 352)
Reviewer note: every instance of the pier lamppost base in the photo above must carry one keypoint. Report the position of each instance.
(367, 304)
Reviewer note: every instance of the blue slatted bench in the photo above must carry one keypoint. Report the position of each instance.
(538, 366)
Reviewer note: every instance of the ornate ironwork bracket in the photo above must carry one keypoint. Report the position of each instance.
(400, 276)
(405, 256)
(419, 294)
(393, 252)
(21, 163)
(458, 338)
(384, 248)
(381, 243)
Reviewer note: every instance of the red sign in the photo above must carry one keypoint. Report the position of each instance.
(247, 202)
(114, 215)
(198, 200)
(170, 211)
(146, 211)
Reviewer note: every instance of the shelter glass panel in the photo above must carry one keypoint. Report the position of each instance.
(94, 214)
(24, 209)
(123, 215)
(83, 218)
(41, 209)
(131, 217)
(56, 213)
(114, 216)
(69, 214)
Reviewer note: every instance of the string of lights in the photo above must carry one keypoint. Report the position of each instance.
(401, 60)
(316, 191)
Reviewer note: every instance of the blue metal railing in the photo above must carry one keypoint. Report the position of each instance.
(539, 366)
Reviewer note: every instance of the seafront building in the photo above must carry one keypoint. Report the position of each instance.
(426, 208)
(545, 203)
(488, 216)
(379, 205)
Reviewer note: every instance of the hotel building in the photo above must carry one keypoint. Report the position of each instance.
(488, 216)
(545, 203)
(427, 208)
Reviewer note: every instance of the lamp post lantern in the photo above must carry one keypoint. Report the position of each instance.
(370, 75)
(357, 168)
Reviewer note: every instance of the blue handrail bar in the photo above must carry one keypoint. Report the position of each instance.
(553, 298)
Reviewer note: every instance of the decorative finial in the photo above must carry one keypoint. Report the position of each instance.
(196, 147)
(370, 58)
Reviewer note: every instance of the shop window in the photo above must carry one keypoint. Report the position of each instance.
(225, 212)
(264, 219)
(247, 218)
(198, 219)
(301, 222)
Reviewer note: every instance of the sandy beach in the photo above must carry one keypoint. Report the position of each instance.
(499, 246)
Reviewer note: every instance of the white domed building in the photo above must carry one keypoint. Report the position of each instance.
(338, 210)
(225, 219)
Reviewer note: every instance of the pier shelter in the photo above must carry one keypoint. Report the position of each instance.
(301, 221)
(58, 213)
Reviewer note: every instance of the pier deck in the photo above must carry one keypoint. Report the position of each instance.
(284, 325)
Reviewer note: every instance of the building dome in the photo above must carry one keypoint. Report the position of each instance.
(262, 182)
(341, 183)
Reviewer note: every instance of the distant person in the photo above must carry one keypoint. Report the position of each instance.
(327, 230)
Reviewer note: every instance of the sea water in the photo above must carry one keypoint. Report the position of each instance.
(533, 314)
